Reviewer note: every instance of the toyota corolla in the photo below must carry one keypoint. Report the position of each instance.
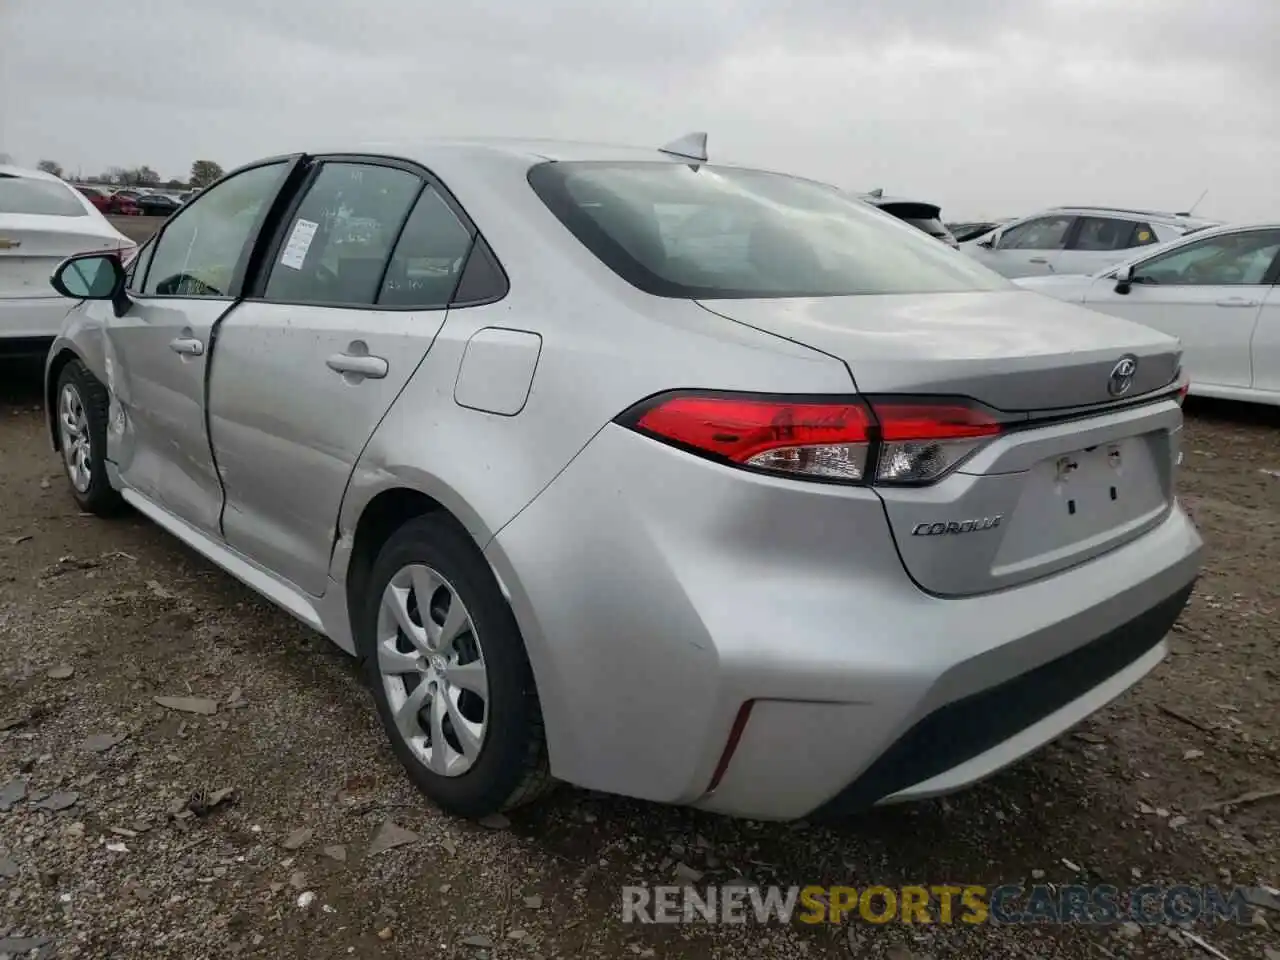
(663, 477)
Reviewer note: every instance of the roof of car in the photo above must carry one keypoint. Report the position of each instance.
(529, 150)
(1172, 219)
(1219, 229)
(533, 150)
(9, 170)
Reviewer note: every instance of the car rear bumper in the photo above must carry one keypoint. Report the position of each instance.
(659, 593)
(35, 319)
(967, 739)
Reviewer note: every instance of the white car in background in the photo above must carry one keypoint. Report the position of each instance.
(1075, 239)
(1215, 290)
(43, 220)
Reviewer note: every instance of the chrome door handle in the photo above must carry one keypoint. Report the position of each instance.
(187, 346)
(365, 366)
(1038, 260)
(1237, 302)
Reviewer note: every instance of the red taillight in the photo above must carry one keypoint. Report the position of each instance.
(819, 439)
(908, 441)
(927, 420)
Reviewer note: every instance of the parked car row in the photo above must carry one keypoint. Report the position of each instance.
(128, 202)
(1075, 239)
(633, 470)
(119, 203)
(1069, 239)
(1214, 287)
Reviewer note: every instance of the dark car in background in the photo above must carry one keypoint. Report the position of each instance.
(156, 204)
(921, 215)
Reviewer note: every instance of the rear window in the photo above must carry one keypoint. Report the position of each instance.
(922, 216)
(41, 197)
(719, 233)
(933, 228)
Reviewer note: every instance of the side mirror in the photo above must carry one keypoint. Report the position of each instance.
(991, 241)
(1124, 279)
(89, 276)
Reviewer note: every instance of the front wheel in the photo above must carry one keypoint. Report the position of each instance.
(449, 673)
(82, 412)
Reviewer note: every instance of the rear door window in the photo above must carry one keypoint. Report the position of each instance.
(337, 245)
(1143, 235)
(46, 198)
(1104, 234)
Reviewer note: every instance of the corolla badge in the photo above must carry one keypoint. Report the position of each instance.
(1122, 375)
(942, 527)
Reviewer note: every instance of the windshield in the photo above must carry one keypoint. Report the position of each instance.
(678, 231)
(39, 197)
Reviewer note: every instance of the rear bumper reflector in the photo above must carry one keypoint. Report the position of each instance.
(735, 735)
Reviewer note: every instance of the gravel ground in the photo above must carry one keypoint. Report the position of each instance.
(137, 228)
(135, 828)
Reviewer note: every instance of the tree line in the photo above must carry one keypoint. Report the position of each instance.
(203, 173)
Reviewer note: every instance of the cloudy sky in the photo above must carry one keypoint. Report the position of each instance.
(989, 107)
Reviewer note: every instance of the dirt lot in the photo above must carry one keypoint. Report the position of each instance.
(98, 619)
(137, 228)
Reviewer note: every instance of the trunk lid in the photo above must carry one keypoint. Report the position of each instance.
(32, 246)
(1063, 484)
(1013, 350)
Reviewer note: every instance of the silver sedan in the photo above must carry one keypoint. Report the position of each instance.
(619, 467)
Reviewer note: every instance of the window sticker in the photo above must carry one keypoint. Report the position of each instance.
(295, 251)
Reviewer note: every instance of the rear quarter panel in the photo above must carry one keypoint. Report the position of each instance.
(605, 346)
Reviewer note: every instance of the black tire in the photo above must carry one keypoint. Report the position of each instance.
(511, 768)
(99, 497)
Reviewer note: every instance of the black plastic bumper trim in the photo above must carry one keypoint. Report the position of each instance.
(963, 729)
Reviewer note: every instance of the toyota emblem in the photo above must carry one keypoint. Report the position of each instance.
(1122, 374)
